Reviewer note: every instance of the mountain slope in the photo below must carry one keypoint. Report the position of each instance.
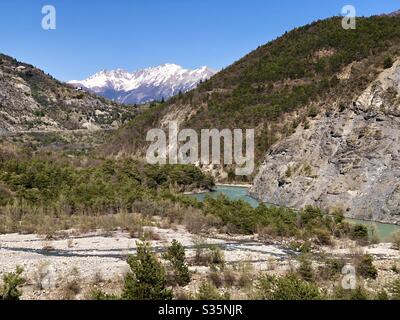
(274, 88)
(324, 103)
(30, 100)
(144, 85)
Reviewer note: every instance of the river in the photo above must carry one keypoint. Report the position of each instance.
(382, 230)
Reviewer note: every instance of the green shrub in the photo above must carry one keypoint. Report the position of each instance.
(358, 293)
(289, 287)
(365, 267)
(396, 240)
(305, 269)
(394, 290)
(146, 279)
(100, 295)
(388, 62)
(359, 233)
(217, 258)
(176, 256)
(12, 283)
(335, 266)
(382, 295)
(207, 291)
(324, 237)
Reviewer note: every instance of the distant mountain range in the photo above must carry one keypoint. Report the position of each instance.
(394, 14)
(144, 85)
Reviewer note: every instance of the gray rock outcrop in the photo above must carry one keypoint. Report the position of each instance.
(347, 158)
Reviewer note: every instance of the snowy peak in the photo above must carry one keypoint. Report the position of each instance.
(144, 85)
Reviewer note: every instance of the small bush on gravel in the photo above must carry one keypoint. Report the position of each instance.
(12, 283)
(382, 295)
(176, 256)
(305, 269)
(99, 295)
(146, 279)
(201, 258)
(323, 237)
(215, 277)
(357, 294)
(245, 278)
(217, 257)
(289, 287)
(72, 285)
(332, 269)
(388, 62)
(396, 240)
(207, 291)
(365, 267)
(229, 277)
(394, 290)
(359, 233)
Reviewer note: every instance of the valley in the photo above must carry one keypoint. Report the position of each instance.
(85, 215)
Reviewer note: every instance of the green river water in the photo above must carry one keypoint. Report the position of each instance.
(382, 230)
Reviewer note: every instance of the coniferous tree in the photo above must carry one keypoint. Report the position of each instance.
(176, 256)
(146, 279)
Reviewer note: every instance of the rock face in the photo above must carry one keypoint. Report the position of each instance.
(347, 158)
(30, 100)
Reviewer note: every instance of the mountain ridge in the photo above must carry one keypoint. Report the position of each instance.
(144, 85)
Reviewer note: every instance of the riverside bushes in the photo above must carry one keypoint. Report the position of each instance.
(102, 187)
(44, 194)
(39, 192)
(310, 222)
(243, 218)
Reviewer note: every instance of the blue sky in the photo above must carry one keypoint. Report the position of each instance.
(93, 35)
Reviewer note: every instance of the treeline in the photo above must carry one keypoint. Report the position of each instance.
(92, 186)
(271, 221)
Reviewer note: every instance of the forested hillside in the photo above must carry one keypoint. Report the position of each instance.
(278, 86)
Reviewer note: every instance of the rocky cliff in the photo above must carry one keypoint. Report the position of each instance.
(346, 158)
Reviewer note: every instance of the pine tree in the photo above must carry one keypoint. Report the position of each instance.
(176, 256)
(146, 279)
(305, 269)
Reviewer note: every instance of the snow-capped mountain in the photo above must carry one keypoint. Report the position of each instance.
(144, 85)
